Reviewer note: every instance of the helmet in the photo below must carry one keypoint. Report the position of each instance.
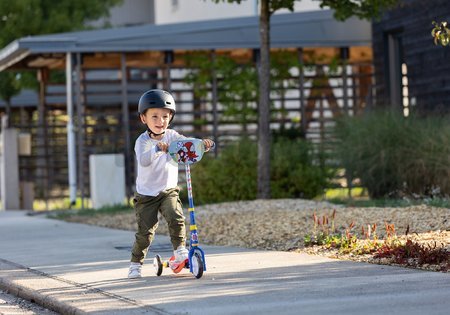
(156, 99)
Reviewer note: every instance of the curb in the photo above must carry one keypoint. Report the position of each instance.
(64, 296)
(40, 299)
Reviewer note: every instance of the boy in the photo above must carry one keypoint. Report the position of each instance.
(157, 179)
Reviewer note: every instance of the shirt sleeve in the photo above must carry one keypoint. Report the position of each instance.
(145, 151)
(176, 136)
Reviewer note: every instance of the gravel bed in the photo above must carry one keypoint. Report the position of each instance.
(281, 224)
(12, 305)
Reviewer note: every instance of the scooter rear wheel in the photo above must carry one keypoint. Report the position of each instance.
(158, 265)
(197, 265)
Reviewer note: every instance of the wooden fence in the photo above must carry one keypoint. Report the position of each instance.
(310, 105)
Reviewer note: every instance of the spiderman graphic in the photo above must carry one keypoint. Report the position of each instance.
(187, 153)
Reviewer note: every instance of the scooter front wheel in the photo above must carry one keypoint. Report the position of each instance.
(158, 265)
(197, 265)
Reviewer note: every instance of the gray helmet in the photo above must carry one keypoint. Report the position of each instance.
(156, 99)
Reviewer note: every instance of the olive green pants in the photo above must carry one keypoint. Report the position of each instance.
(147, 208)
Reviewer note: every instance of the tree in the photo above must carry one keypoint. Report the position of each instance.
(34, 17)
(344, 9)
(9, 87)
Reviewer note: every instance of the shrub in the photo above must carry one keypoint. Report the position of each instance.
(412, 253)
(296, 170)
(391, 154)
(233, 174)
(230, 176)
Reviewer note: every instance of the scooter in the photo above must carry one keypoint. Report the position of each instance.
(186, 152)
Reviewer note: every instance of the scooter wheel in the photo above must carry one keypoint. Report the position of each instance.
(197, 265)
(158, 265)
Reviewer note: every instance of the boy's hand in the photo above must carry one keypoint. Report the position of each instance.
(208, 144)
(162, 146)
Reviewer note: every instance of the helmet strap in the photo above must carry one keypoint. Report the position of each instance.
(150, 132)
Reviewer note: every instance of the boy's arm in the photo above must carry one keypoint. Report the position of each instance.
(146, 152)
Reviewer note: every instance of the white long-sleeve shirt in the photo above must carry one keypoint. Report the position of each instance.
(156, 171)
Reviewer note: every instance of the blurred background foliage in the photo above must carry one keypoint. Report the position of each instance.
(296, 172)
(396, 156)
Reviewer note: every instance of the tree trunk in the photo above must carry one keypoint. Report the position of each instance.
(8, 113)
(264, 104)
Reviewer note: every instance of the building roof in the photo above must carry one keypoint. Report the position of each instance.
(304, 29)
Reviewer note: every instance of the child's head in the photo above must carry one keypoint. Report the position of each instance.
(156, 110)
(157, 120)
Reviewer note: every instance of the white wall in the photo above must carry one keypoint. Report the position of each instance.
(136, 12)
(131, 12)
(175, 11)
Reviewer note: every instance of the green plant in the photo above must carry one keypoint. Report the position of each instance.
(297, 171)
(396, 156)
(392, 202)
(236, 85)
(106, 210)
(407, 253)
(371, 232)
(232, 175)
(318, 237)
(440, 33)
(323, 234)
(412, 253)
(323, 231)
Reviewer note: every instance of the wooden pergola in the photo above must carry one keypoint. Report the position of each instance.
(162, 48)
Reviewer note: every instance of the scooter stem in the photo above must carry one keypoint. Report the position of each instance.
(192, 226)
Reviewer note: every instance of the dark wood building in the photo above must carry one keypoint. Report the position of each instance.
(411, 72)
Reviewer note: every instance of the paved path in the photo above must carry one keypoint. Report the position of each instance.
(75, 269)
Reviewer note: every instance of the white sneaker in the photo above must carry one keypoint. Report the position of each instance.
(135, 270)
(181, 254)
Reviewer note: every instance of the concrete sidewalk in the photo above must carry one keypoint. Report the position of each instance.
(75, 269)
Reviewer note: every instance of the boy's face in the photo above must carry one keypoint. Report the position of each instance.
(157, 119)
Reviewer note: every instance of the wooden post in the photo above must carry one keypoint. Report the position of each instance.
(9, 170)
(301, 75)
(41, 132)
(344, 58)
(168, 60)
(80, 125)
(71, 145)
(126, 122)
(214, 102)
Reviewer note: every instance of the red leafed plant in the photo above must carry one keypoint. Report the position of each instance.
(412, 254)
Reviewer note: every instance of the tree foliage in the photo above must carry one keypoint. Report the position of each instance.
(20, 18)
(33, 17)
(364, 9)
(237, 82)
(441, 33)
(343, 10)
(9, 85)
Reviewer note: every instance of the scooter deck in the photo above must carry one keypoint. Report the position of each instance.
(176, 267)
